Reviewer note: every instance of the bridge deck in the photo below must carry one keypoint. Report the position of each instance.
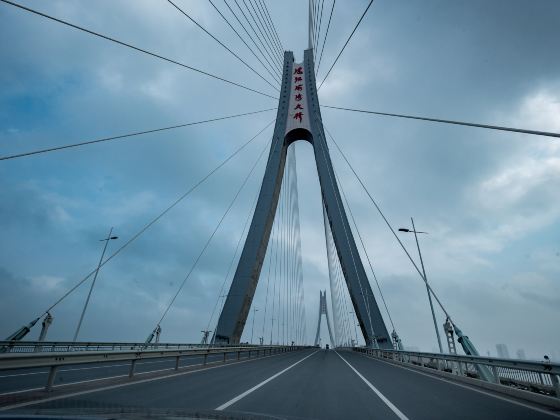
(321, 386)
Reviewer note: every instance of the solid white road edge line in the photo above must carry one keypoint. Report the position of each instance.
(469, 387)
(45, 372)
(21, 391)
(253, 389)
(388, 403)
(107, 388)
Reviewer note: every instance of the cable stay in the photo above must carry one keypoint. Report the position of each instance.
(336, 313)
(274, 76)
(319, 26)
(340, 206)
(266, 57)
(271, 23)
(286, 313)
(282, 271)
(325, 38)
(339, 293)
(124, 44)
(394, 334)
(18, 335)
(273, 57)
(346, 43)
(438, 120)
(221, 43)
(272, 242)
(264, 38)
(265, 26)
(245, 225)
(123, 136)
(273, 313)
(385, 220)
(294, 276)
(465, 342)
(313, 22)
(313, 25)
(280, 314)
(205, 247)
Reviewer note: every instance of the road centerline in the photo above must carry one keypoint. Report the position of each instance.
(383, 398)
(261, 384)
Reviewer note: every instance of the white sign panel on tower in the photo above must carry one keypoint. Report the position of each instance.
(298, 113)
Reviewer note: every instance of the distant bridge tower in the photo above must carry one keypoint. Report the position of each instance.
(299, 118)
(323, 311)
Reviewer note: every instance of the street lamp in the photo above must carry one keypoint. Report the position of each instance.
(425, 278)
(255, 310)
(355, 329)
(106, 240)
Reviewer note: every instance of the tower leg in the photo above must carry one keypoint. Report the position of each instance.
(318, 322)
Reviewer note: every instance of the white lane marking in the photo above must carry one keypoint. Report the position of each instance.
(43, 372)
(253, 389)
(388, 403)
(93, 367)
(101, 379)
(472, 388)
(110, 387)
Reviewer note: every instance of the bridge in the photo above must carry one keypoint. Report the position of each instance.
(277, 368)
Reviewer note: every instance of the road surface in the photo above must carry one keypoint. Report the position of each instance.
(309, 384)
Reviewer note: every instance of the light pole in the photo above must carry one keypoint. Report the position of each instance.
(425, 278)
(354, 321)
(106, 240)
(255, 310)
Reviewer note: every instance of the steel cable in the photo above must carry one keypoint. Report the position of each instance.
(108, 38)
(122, 136)
(157, 218)
(222, 44)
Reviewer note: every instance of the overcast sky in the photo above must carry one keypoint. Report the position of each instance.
(489, 200)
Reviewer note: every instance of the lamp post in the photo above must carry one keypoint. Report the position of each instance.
(106, 240)
(425, 278)
(255, 310)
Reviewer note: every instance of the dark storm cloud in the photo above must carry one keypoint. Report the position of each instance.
(488, 199)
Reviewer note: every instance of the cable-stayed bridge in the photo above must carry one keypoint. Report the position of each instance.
(280, 372)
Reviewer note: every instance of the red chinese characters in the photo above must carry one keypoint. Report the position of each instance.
(298, 94)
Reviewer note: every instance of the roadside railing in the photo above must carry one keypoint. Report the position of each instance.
(67, 346)
(54, 360)
(533, 376)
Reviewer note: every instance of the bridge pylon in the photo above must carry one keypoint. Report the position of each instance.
(299, 118)
(323, 311)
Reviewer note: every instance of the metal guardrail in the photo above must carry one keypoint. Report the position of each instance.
(53, 360)
(538, 377)
(67, 346)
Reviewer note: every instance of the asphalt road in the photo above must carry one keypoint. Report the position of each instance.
(308, 384)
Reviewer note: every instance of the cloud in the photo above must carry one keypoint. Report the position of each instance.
(488, 199)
